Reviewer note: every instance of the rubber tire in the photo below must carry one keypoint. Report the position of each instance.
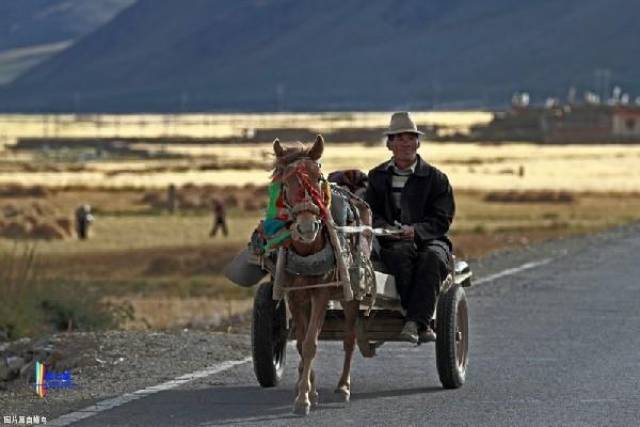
(451, 374)
(268, 337)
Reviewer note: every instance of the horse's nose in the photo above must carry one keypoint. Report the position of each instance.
(310, 228)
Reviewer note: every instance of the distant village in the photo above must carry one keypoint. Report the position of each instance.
(590, 120)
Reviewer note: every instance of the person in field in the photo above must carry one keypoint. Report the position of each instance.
(84, 219)
(172, 198)
(219, 218)
(408, 193)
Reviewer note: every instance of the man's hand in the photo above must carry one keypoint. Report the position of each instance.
(408, 232)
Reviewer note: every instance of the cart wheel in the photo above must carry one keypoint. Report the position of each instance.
(452, 344)
(268, 337)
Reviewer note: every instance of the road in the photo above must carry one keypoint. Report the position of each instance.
(554, 345)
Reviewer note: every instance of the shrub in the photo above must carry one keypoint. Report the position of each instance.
(542, 196)
(31, 307)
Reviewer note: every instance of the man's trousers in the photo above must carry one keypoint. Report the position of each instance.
(418, 274)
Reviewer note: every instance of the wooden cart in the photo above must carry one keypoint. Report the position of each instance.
(272, 327)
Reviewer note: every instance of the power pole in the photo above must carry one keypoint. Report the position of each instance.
(603, 80)
(435, 93)
(279, 97)
(184, 101)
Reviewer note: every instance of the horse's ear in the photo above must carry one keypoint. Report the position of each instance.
(277, 148)
(318, 147)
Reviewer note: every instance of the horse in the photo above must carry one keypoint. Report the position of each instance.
(306, 196)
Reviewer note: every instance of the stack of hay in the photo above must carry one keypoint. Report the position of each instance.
(192, 197)
(33, 221)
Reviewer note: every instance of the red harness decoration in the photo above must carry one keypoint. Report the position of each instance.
(316, 195)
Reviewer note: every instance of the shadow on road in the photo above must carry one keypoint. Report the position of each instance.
(231, 405)
(212, 406)
(395, 393)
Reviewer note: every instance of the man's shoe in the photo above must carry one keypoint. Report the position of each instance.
(427, 335)
(410, 332)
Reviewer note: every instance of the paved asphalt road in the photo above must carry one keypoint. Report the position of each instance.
(553, 345)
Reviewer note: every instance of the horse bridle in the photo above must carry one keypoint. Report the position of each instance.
(314, 201)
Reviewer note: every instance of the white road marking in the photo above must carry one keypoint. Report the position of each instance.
(514, 270)
(105, 405)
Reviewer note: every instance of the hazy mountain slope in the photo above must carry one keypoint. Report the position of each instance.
(26, 23)
(34, 30)
(349, 54)
(14, 62)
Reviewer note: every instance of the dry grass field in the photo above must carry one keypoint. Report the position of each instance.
(169, 269)
(13, 126)
(607, 168)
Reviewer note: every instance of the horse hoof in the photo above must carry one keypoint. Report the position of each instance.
(315, 399)
(302, 408)
(343, 393)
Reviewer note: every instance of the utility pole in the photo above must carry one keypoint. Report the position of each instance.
(184, 101)
(279, 97)
(603, 80)
(435, 93)
(76, 102)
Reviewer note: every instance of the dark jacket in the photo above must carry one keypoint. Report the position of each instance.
(426, 203)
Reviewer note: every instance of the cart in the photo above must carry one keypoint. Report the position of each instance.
(272, 326)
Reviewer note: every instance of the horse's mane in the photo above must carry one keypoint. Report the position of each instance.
(292, 152)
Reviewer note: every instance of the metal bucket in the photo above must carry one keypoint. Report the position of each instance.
(242, 271)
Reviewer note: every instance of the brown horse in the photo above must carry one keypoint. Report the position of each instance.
(306, 199)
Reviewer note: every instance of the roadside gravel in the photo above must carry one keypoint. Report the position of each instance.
(108, 364)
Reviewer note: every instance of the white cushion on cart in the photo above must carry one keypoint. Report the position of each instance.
(386, 294)
(386, 286)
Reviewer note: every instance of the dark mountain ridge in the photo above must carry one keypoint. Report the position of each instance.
(25, 23)
(265, 55)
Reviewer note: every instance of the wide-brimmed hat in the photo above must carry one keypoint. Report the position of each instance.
(401, 122)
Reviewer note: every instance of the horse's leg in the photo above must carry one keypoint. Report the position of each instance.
(300, 310)
(314, 397)
(313, 392)
(350, 313)
(319, 299)
(303, 313)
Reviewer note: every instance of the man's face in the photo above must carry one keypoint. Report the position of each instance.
(404, 146)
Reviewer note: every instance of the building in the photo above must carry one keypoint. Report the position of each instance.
(564, 124)
(591, 124)
(626, 123)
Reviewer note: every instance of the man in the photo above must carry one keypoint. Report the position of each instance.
(408, 193)
(172, 198)
(84, 219)
(219, 218)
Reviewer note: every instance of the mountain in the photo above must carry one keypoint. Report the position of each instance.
(264, 55)
(25, 23)
(34, 30)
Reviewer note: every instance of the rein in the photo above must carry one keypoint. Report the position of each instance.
(315, 201)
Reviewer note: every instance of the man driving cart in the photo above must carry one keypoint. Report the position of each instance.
(416, 198)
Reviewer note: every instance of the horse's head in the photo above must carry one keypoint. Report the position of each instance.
(303, 187)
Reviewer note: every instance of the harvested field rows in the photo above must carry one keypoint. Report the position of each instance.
(470, 167)
(13, 126)
(507, 195)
